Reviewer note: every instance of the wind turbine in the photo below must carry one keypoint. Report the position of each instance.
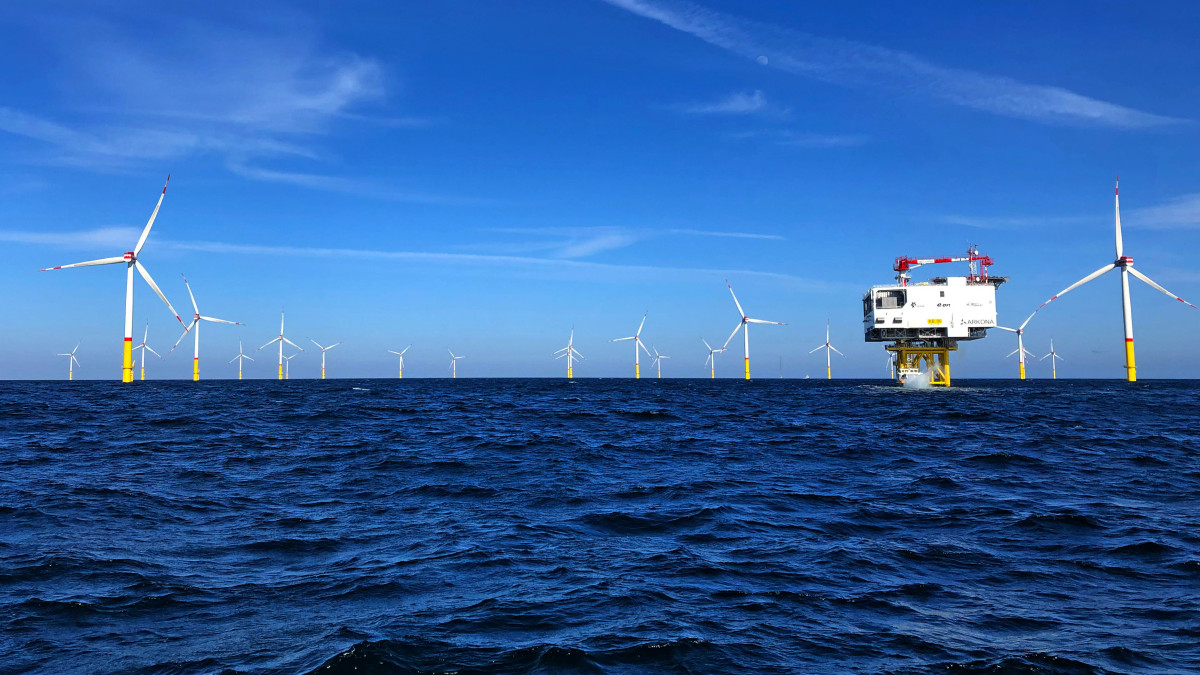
(280, 340)
(658, 362)
(711, 361)
(744, 326)
(1054, 357)
(194, 327)
(287, 365)
(144, 347)
(401, 355)
(239, 358)
(323, 350)
(1020, 351)
(829, 349)
(1125, 264)
(454, 363)
(891, 362)
(571, 353)
(637, 343)
(130, 258)
(71, 361)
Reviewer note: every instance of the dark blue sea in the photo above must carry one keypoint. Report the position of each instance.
(599, 526)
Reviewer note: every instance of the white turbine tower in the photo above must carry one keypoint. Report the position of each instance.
(1125, 264)
(1054, 358)
(130, 258)
(71, 362)
(454, 364)
(744, 326)
(194, 327)
(711, 361)
(637, 343)
(571, 353)
(280, 340)
(239, 358)
(145, 347)
(1020, 351)
(287, 366)
(658, 358)
(829, 349)
(401, 355)
(323, 350)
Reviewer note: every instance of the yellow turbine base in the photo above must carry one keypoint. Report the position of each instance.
(570, 373)
(637, 371)
(828, 373)
(239, 374)
(70, 375)
(1130, 362)
(1022, 366)
(401, 376)
(322, 373)
(747, 368)
(195, 370)
(127, 363)
(143, 374)
(713, 373)
(281, 372)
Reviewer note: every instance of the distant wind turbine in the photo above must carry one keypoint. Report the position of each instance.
(711, 361)
(829, 349)
(454, 364)
(571, 354)
(658, 359)
(637, 344)
(1053, 356)
(194, 327)
(144, 347)
(744, 326)
(287, 366)
(401, 355)
(280, 340)
(1020, 351)
(71, 362)
(130, 258)
(239, 358)
(323, 350)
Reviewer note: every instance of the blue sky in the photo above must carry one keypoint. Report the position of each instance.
(483, 176)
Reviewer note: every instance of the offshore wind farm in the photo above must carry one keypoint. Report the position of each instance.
(428, 195)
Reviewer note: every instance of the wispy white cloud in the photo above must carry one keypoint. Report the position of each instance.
(805, 139)
(582, 242)
(856, 64)
(737, 103)
(106, 237)
(1010, 222)
(1178, 213)
(248, 97)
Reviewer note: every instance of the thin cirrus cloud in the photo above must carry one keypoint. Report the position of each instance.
(118, 237)
(1182, 212)
(855, 64)
(581, 242)
(262, 103)
(737, 103)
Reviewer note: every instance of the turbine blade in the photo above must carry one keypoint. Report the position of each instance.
(152, 351)
(186, 330)
(268, 344)
(642, 324)
(1117, 215)
(835, 349)
(318, 344)
(622, 339)
(577, 354)
(1150, 281)
(291, 343)
(193, 297)
(773, 323)
(817, 349)
(209, 318)
(146, 275)
(735, 300)
(1100, 272)
(730, 339)
(405, 349)
(150, 223)
(101, 261)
